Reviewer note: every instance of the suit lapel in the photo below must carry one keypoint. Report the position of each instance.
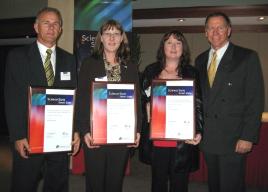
(58, 66)
(204, 80)
(36, 67)
(123, 69)
(222, 73)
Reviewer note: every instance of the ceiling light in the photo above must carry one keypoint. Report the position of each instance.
(261, 18)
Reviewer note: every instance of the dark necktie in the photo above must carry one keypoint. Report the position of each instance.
(48, 68)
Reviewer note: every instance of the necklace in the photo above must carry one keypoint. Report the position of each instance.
(113, 72)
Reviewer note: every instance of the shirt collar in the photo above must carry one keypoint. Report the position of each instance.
(42, 48)
(220, 52)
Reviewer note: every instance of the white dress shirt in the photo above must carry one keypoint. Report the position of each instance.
(220, 52)
(42, 49)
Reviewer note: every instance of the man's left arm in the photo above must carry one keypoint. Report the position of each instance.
(254, 104)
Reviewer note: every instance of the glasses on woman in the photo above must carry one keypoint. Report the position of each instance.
(111, 35)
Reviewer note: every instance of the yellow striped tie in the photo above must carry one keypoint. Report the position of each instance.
(48, 68)
(212, 69)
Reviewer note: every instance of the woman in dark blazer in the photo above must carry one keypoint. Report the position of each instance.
(170, 160)
(105, 165)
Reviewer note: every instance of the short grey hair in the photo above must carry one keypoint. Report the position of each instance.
(49, 9)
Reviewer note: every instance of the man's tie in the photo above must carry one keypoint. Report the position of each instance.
(49, 69)
(212, 68)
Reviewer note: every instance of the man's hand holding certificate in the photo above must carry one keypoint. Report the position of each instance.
(51, 114)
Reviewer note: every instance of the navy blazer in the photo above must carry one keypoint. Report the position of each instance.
(24, 68)
(234, 105)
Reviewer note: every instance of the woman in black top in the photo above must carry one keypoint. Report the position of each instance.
(171, 161)
(105, 165)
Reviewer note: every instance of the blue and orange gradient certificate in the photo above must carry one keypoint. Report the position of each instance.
(50, 121)
(113, 113)
(172, 110)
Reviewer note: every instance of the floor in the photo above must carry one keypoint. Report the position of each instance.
(138, 180)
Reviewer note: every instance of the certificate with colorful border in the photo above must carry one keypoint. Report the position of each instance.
(113, 113)
(172, 110)
(50, 119)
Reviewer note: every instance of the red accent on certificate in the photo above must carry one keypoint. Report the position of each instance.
(172, 109)
(113, 113)
(50, 119)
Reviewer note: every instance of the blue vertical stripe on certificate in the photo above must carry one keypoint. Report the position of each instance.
(159, 90)
(100, 93)
(180, 90)
(120, 93)
(38, 99)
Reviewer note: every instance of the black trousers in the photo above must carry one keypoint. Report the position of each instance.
(226, 172)
(26, 173)
(105, 168)
(164, 178)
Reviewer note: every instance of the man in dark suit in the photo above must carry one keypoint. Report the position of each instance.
(25, 67)
(233, 98)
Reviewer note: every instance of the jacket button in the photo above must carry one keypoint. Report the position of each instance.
(223, 100)
(215, 116)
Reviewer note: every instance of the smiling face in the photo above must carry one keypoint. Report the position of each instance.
(217, 32)
(48, 28)
(111, 40)
(173, 48)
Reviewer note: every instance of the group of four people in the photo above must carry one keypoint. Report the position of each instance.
(227, 111)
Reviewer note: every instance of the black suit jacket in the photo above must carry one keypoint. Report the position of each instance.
(234, 105)
(24, 68)
(92, 68)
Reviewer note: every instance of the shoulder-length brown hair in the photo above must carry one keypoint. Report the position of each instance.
(123, 52)
(185, 57)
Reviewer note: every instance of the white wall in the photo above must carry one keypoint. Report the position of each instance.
(66, 7)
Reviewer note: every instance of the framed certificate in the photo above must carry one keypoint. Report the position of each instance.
(113, 113)
(50, 119)
(172, 110)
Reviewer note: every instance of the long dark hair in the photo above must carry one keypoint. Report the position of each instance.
(185, 57)
(123, 52)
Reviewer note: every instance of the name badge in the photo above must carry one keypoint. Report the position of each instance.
(101, 78)
(65, 76)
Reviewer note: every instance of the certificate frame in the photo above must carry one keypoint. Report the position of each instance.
(172, 109)
(50, 119)
(120, 126)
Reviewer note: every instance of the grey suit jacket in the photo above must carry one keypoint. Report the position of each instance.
(24, 67)
(234, 104)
